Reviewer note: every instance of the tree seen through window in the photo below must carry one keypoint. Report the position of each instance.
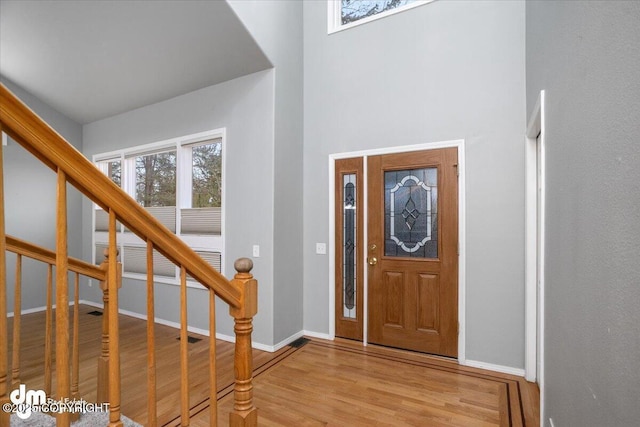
(207, 175)
(114, 171)
(156, 179)
(354, 10)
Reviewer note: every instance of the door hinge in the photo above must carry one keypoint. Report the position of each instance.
(457, 170)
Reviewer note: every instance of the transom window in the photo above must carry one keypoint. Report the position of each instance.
(345, 14)
(180, 182)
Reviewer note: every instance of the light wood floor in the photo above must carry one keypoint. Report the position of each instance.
(337, 383)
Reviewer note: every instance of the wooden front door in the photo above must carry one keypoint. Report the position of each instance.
(412, 250)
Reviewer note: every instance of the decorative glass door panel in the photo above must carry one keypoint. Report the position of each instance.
(411, 213)
(349, 247)
(349, 244)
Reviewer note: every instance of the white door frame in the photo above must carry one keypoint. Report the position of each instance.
(534, 241)
(459, 144)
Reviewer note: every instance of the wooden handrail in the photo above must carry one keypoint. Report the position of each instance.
(37, 137)
(39, 253)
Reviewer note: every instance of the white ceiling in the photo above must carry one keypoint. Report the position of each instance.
(94, 59)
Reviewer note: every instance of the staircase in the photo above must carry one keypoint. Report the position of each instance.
(72, 168)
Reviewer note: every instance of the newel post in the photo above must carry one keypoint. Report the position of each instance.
(244, 412)
(103, 359)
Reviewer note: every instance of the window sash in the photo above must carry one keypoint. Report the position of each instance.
(201, 228)
(334, 15)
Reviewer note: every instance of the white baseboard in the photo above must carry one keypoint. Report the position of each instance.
(496, 368)
(320, 335)
(272, 348)
(288, 340)
(36, 309)
(228, 338)
(176, 325)
(29, 311)
(264, 347)
(256, 345)
(91, 303)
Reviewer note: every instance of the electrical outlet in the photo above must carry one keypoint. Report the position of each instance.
(321, 248)
(256, 251)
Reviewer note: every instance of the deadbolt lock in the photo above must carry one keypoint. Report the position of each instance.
(373, 247)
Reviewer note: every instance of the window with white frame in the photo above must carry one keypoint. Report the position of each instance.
(343, 14)
(180, 182)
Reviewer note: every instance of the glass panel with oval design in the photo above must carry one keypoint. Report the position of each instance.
(411, 213)
(349, 247)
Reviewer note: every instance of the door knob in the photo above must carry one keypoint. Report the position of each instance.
(373, 260)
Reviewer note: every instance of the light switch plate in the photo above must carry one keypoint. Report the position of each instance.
(256, 251)
(321, 248)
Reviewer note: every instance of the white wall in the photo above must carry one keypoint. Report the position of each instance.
(586, 56)
(243, 106)
(277, 28)
(443, 71)
(447, 70)
(30, 202)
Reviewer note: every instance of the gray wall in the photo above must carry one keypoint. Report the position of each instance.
(243, 106)
(30, 202)
(277, 28)
(586, 56)
(443, 71)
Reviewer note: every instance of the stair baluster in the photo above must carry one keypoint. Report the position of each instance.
(4, 345)
(113, 282)
(48, 324)
(62, 300)
(152, 409)
(17, 316)
(75, 346)
(213, 384)
(184, 351)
